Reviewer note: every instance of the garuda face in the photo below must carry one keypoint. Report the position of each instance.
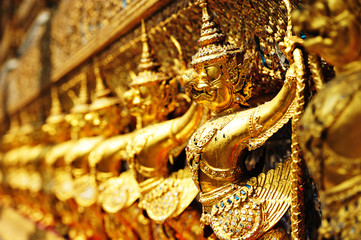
(152, 101)
(209, 86)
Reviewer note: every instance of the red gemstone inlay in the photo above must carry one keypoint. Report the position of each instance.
(248, 226)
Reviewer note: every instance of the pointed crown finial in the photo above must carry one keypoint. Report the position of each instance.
(26, 122)
(100, 89)
(210, 32)
(56, 114)
(149, 67)
(212, 41)
(55, 103)
(148, 60)
(83, 92)
(103, 96)
(81, 105)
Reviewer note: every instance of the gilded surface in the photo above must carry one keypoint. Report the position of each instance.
(153, 95)
(217, 149)
(157, 119)
(329, 133)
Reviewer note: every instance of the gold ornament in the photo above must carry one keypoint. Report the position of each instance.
(164, 195)
(246, 212)
(329, 130)
(215, 151)
(152, 94)
(168, 198)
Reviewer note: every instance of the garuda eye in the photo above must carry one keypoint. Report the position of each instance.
(213, 72)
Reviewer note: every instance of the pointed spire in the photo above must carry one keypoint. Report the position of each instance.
(83, 92)
(81, 104)
(210, 32)
(149, 67)
(102, 93)
(26, 122)
(56, 113)
(212, 41)
(148, 60)
(100, 89)
(55, 103)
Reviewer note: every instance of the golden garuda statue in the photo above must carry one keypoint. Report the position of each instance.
(59, 155)
(54, 139)
(179, 151)
(57, 183)
(105, 118)
(150, 99)
(158, 141)
(330, 133)
(237, 203)
(102, 119)
(22, 164)
(68, 171)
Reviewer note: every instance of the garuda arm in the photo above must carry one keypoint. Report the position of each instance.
(106, 156)
(251, 128)
(151, 147)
